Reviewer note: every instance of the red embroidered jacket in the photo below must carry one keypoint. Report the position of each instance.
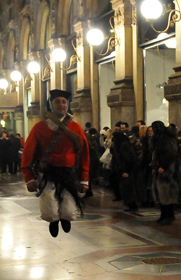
(63, 154)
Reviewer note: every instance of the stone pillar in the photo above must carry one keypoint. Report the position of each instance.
(33, 113)
(94, 90)
(81, 104)
(138, 70)
(172, 90)
(121, 98)
(57, 75)
(19, 115)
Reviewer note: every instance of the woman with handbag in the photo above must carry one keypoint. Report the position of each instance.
(58, 146)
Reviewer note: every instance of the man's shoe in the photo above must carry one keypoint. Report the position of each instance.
(53, 228)
(66, 225)
(167, 221)
(116, 199)
(131, 209)
(88, 194)
(160, 220)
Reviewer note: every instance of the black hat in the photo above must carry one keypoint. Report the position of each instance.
(59, 93)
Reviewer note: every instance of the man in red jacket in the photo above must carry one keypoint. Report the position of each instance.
(63, 155)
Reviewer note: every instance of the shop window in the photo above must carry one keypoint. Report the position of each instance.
(106, 78)
(158, 68)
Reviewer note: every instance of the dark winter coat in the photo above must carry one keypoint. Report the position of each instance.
(165, 155)
(15, 145)
(124, 161)
(93, 142)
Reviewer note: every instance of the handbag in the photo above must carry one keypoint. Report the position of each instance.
(106, 157)
(50, 208)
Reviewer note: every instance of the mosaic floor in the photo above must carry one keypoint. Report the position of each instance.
(107, 244)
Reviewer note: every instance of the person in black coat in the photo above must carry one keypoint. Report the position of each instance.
(124, 165)
(164, 169)
(15, 146)
(4, 152)
(94, 146)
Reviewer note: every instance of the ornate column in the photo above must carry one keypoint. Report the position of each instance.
(172, 91)
(81, 105)
(33, 112)
(138, 71)
(57, 75)
(19, 114)
(121, 98)
(94, 78)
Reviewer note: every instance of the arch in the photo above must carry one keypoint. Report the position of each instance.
(10, 50)
(63, 17)
(42, 26)
(24, 39)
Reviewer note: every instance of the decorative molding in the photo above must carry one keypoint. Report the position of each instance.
(172, 90)
(134, 13)
(34, 109)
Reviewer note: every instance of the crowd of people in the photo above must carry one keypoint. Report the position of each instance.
(140, 165)
(11, 147)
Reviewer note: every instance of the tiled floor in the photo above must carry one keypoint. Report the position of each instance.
(108, 244)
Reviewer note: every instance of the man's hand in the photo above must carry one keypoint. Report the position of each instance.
(32, 187)
(125, 175)
(161, 170)
(83, 188)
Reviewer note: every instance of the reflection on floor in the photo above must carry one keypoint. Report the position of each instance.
(107, 244)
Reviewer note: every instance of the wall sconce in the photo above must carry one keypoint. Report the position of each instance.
(33, 67)
(95, 37)
(2, 122)
(59, 55)
(170, 43)
(153, 9)
(3, 85)
(161, 86)
(16, 76)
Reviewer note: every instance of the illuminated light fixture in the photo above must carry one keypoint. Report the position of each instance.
(113, 54)
(164, 101)
(58, 55)
(16, 76)
(33, 67)
(162, 36)
(161, 86)
(3, 83)
(170, 43)
(95, 37)
(2, 122)
(151, 9)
